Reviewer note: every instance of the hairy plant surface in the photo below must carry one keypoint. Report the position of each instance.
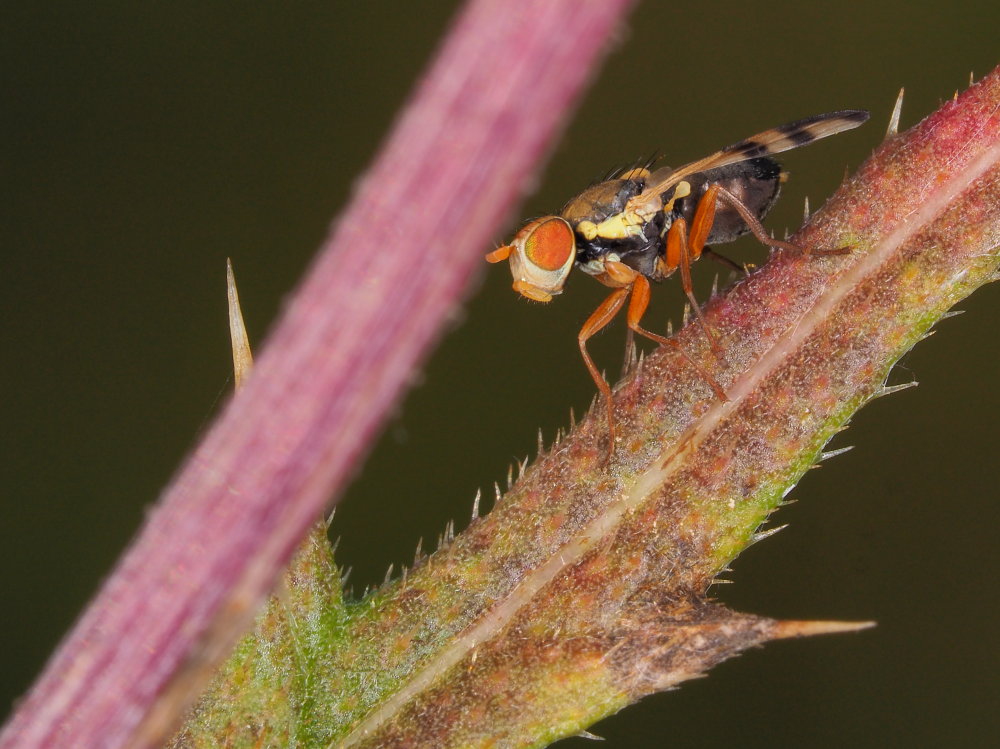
(585, 587)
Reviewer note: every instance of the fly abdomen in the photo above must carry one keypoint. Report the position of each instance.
(756, 183)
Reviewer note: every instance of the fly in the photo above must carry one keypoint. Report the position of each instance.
(643, 226)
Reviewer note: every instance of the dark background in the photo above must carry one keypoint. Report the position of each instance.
(143, 145)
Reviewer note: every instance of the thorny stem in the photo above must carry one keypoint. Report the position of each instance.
(585, 588)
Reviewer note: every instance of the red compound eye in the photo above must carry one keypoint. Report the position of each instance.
(550, 244)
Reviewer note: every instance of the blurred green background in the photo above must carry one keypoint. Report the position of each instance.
(144, 143)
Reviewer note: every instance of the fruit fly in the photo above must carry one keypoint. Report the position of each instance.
(642, 226)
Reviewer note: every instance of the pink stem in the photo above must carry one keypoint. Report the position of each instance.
(359, 326)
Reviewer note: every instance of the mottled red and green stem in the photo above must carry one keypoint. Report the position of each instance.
(585, 588)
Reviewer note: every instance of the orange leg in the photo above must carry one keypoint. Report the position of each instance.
(595, 323)
(604, 314)
(637, 308)
(701, 222)
(701, 227)
(683, 249)
(679, 254)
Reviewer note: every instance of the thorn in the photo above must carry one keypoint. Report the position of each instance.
(926, 335)
(572, 418)
(805, 210)
(684, 317)
(670, 323)
(522, 467)
(240, 342)
(890, 389)
(329, 518)
(972, 78)
(345, 575)
(496, 490)
(787, 491)
(897, 109)
(721, 581)
(834, 453)
(418, 554)
(388, 576)
(589, 735)
(952, 313)
(406, 572)
(449, 533)
(334, 545)
(628, 361)
(475, 505)
(510, 475)
(715, 287)
(541, 442)
(787, 629)
(761, 535)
